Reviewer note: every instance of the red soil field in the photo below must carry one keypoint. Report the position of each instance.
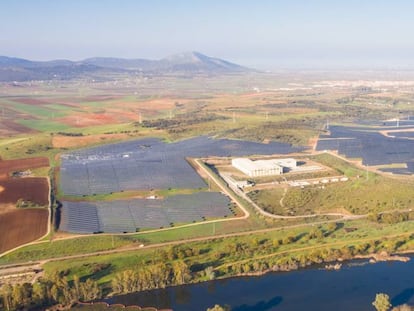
(98, 98)
(22, 226)
(31, 101)
(7, 166)
(9, 127)
(33, 189)
(83, 120)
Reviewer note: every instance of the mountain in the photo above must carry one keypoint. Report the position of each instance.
(183, 62)
(18, 69)
(194, 61)
(120, 63)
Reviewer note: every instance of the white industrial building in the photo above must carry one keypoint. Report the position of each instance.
(262, 167)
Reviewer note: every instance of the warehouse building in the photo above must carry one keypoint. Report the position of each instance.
(263, 167)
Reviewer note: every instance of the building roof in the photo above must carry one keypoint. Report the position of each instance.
(257, 165)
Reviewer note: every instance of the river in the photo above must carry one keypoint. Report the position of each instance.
(351, 288)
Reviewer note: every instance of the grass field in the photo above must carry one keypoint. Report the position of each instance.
(45, 125)
(364, 192)
(38, 111)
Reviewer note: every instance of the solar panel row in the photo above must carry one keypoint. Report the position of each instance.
(371, 146)
(132, 215)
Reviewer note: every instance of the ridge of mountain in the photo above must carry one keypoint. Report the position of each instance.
(19, 69)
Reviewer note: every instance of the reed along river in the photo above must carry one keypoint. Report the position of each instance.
(351, 288)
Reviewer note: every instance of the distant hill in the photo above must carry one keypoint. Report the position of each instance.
(18, 69)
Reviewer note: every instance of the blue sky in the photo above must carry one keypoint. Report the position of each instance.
(263, 34)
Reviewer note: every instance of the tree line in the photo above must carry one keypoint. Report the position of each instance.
(47, 292)
(148, 277)
(184, 264)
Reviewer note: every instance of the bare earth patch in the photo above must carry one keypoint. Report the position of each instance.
(21, 226)
(7, 166)
(33, 189)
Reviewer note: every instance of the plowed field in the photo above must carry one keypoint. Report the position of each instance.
(33, 189)
(31, 101)
(8, 166)
(9, 127)
(21, 226)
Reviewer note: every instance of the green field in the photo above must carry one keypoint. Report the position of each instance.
(45, 125)
(37, 111)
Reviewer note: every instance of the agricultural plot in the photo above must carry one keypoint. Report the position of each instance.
(149, 164)
(369, 145)
(21, 226)
(8, 166)
(9, 127)
(31, 189)
(136, 214)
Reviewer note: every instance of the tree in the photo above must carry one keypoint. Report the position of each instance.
(181, 272)
(90, 290)
(118, 283)
(218, 308)
(39, 295)
(76, 288)
(382, 302)
(332, 226)
(7, 295)
(17, 295)
(210, 273)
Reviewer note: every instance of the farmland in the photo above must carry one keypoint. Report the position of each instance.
(126, 164)
(31, 189)
(22, 226)
(20, 223)
(16, 186)
(8, 166)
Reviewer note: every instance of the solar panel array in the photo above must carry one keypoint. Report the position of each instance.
(371, 146)
(80, 218)
(403, 134)
(149, 164)
(132, 215)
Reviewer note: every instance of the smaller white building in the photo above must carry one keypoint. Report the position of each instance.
(288, 162)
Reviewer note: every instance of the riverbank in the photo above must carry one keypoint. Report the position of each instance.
(255, 254)
(102, 306)
(353, 287)
(384, 256)
(334, 264)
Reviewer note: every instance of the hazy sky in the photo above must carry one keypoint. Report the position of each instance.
(263, 34)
